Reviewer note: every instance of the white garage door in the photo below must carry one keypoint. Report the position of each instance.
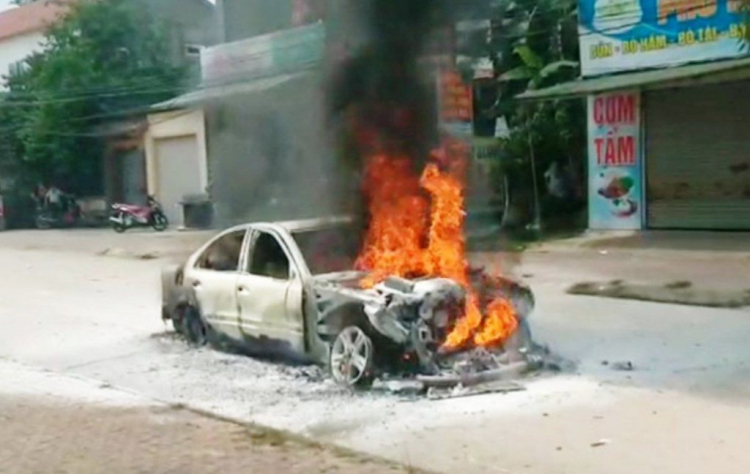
(178, 173)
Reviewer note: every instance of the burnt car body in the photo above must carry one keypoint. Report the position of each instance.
(289, 287)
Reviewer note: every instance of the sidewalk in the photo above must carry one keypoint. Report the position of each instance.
(136, 243)
(67, 425)
(703, 268)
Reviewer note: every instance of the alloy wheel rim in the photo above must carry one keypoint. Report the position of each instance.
(350, 356)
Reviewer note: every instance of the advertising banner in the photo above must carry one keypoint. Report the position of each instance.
(456, 103)
(614, 151)
(281, 52)
(623, 35)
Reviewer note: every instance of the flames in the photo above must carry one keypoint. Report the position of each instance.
(417, 229)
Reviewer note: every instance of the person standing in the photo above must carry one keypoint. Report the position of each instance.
(53, 198)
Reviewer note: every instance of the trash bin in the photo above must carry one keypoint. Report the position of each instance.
(197, 211)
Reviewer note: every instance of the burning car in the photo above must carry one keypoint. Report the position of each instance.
(299, 288)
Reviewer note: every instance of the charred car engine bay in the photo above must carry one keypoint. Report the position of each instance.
(403, 324)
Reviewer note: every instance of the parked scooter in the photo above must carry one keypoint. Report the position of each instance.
(126, 216)
(66, 214)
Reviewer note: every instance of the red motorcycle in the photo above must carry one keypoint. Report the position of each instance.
(126, 216)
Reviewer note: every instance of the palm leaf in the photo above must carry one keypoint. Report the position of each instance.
(556, 66)
(529, 57)
(517, 74)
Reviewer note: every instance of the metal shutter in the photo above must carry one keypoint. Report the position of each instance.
(179, 174)
(698, 157)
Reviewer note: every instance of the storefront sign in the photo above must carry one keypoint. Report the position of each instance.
(456, 108)
(281, 52)
(622, 35)
(615, 187)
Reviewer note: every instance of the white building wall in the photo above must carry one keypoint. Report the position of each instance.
(6, 5)
(181, 123)
(15, 49)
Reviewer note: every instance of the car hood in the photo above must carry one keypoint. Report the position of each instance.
(348, 279)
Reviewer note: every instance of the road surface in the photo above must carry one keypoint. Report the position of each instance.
(683, 409)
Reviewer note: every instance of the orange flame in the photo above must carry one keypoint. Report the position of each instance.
(415, 234)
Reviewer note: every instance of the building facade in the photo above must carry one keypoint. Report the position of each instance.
(261, 97)
(22, 33)
(271, 144)
(668, 90)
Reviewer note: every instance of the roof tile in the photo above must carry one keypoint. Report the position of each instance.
(31, 18)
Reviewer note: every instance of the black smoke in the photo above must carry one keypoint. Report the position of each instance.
(379, 95)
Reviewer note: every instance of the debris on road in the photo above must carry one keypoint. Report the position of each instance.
(625, 365)
(600, 443)
(437, 393)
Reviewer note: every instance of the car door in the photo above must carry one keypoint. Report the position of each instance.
(213, 278)
(269, 292)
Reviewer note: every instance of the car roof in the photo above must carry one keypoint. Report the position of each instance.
(315, 224)
(297, 226)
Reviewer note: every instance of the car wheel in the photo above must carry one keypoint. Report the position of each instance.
(351, 359)
(177, 321)
(194, 329)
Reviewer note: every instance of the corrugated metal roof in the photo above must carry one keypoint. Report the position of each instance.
(207, 94)
(33, 17)
(692, 74)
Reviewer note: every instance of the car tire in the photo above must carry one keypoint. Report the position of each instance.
(351, 360)
(194, 329)
(178, 321)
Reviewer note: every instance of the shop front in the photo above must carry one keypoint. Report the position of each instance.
(668, 112)
(698, 159)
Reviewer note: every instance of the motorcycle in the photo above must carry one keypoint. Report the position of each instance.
(126, 216)
(67, 214)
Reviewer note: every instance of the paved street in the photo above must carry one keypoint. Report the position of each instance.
(683, 409)
(76, 426)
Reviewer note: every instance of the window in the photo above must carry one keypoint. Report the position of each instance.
(268, 258)
(329, 250)
(224, 254)
(193, 50)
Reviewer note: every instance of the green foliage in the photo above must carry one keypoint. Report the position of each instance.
(103, 58)
(534, 44)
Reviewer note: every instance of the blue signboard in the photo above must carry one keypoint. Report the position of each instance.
(622, 35)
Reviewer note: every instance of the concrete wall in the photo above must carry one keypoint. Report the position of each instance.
(17, 48)
(198, 19)
(247, 18)
(171, 125)
(6, 4)
(272, 156)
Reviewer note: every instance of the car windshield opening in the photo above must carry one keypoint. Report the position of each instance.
(268, 258)
(329, 250)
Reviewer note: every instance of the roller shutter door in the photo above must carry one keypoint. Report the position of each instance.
(179, 174)
(698, 157)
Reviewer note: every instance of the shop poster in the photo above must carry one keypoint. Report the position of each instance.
(615, 162)
(626, 35)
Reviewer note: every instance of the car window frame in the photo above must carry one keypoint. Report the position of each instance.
(252, 238)
(305, 257)
(243, 249)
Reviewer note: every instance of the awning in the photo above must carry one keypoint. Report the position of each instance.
(209, 93)
(680, 76)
